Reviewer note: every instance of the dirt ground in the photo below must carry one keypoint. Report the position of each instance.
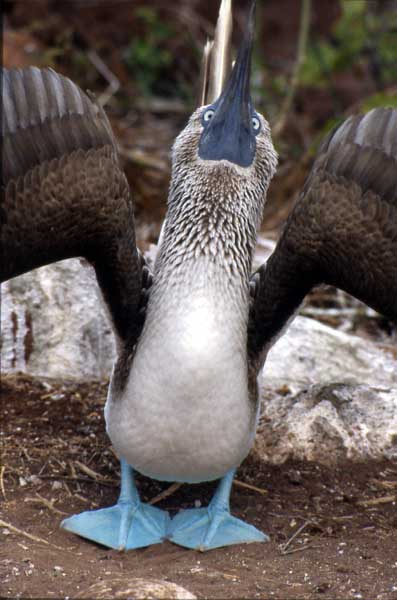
(333, 531)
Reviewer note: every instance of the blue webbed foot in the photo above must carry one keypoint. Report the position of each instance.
(127, 525)
(123, 526)
(214, 526)
(202, 529)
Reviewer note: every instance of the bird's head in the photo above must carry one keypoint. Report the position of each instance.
(227, 142)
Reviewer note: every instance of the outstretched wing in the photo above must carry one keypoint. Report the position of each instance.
(63, 191)
(342, 230)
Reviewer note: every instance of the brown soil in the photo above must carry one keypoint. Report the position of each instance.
(57, 460)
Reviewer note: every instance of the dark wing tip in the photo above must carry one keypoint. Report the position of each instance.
(363, 149)
(377, 128)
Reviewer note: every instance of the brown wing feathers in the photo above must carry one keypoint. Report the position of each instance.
(342, 230)
(364, 150)
(63, 192)
(46, 116)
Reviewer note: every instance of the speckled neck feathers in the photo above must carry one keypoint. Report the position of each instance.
(214, 209)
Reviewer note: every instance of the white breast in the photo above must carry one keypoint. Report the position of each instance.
(185, 414)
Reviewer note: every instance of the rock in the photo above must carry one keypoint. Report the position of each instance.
(327, 396)
(328, 424)
(53, 324)
(136, 589)
(311, 352)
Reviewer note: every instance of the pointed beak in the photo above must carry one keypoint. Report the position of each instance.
(229, 134)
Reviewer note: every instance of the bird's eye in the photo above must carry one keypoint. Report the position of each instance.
(208, 115)
(256, 124)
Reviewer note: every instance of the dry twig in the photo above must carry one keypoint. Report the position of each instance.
(3, 491)
(376, 501)
(301, 52)
(82, 499)
(248, 486)
(168, 492)
(300, 549)
(285, 546)
(90, 472)
(387, 485)
(29, 536)
(47, 503)
(112, 80)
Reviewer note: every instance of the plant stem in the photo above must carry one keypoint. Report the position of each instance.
(304, 28)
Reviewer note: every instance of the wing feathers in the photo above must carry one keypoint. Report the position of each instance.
(390, 136)
(64, 193)
(47, 116)
(364, 150)
(377, 128)
(342, 231)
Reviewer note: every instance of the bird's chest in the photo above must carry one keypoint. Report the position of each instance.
(185, 412)
(191, 358)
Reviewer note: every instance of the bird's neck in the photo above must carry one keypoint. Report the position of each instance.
(212, 224)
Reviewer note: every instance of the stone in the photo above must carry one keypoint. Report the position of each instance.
(327, 397)
(310, 352)
(134, 588)
(53, 324)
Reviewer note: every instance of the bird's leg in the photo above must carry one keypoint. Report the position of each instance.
(214, 526)
(128, 524)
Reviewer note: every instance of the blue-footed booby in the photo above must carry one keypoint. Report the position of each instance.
(183, 398)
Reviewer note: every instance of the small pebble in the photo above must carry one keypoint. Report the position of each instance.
(58, 569)
(35, 480)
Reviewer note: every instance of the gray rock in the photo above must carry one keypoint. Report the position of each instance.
(327, 397)
(53, 324)
(134, 588)
(311, 352)
(329, 424)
